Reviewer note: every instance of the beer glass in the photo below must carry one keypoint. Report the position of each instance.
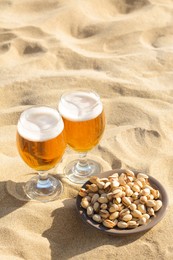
(41, 144)
(84, 122)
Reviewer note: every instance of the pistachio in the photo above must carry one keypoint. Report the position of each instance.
(141, 208)
(143, 199)
(104, 213)
(150, 211)
(136, 213)
(115, 184)
(107, 184)
(83, 192)
(132, 206)
(113, 208)
(127, 217)
(85, 203)
(158, 205)
(155, 193)
(122, 224)
(129, 192)
(142, 175)
(126, 201)
(109, 223)
(96, 206)
(147, 216)
(90, 211)
(102, 199)
(132, 224)
(103, 206)
(136, 188)
(97, 218)
(114, 215)
(100, 184)
(150, 203)
(130, 173)
(94, 179)
(142, 221)
(145, 191)
(95, 198)
(93, 187)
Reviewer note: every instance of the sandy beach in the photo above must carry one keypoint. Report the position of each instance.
(124, 51)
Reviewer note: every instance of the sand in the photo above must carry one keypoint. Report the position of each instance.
(121, 49)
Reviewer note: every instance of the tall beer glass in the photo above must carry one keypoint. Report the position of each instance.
(84, 121)
(41, 144)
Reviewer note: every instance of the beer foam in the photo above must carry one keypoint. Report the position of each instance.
(80, 105)
(40, 124)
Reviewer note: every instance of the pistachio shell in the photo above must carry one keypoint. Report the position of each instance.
(96, 206)
(83, 192)
(94, 179)
(142, 221)
(132, 206)
(102, 199)
(103, 206)
(113, 208)
(142, 175)
(127, 217)
(136, 188)
(145, 191)
(95, 198)
(97, 218)
(141, 208)
(104, 213)
(114, 215)
(136, 213)
(90, 210)
(129, 173)
(85, 204)
(109, 223)
(122, 224)
(150, 203)
(158, 205)
(132, 224)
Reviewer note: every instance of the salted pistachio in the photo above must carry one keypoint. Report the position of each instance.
(100, 184)
(129, 192)
(103, 199)
(129, 173)
(132, 224)
(122, 224)
(155, 193)
(90, 211)
(93, 187)
(83, 192)
(139, 183)
(150, 211)
(97, 218)
(142, 175)
(107, 184)
(109, 223)
(158, 205)
(113, 208)
(101, 191)
(120, 207)
(91, 194)
(136, 188)
(104, 179)
(115, 184)
(129, 179)
(143, 199)
(117, 200)
(132, 206)
(95, 198)
(141, 208)
(123, 212)
(136, 213)
(110, 195)
(104, 213)
(103, 206)
(85, 203)
(150, 197)
(145, 191)
(114, 215)
(113, 177)
(136, 202)
(117, 193)
(94, 179)
(126, 201)
(150, 203)
(127, 217)
(147, 216)
(96, 206)
(142, 221)
(135, 195)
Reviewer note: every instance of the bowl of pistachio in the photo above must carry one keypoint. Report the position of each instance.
(122, 201)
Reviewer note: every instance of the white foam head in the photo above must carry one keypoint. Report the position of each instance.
(40, 123)
(80, 105)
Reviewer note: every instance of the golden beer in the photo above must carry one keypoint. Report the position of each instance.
(41, 138)
(43, 155)
(82, 136)
(84, 123)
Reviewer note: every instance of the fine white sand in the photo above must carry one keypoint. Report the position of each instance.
(124, 51)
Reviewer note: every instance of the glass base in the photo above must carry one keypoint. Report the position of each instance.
(80, 175)
(43, 190)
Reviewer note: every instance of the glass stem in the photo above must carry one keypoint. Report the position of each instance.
(82, 167)
(43, 180)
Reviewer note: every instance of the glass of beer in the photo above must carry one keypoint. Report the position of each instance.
(41, 144)
(84, 122)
